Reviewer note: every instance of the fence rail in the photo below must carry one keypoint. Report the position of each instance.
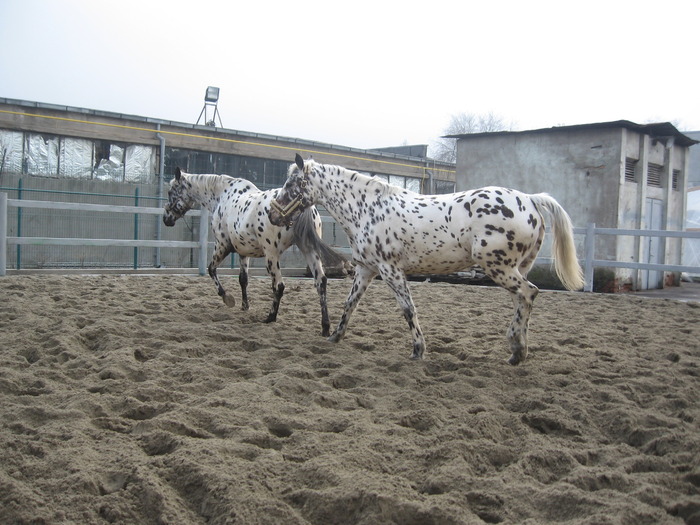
(589, 260)
(201, 244)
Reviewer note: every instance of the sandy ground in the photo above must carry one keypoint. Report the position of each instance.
(144, 399)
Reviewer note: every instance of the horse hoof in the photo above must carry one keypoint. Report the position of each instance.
(418, 351)
(229, 301)
(515, 361)
(245, 306)
(270, 319)
(334, 338)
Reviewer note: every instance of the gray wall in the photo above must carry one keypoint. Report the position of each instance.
(694, 173)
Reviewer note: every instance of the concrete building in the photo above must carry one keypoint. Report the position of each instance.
(50, 152)
(614, 174)
(694, 173)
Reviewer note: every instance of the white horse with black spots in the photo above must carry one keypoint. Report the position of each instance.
(239, 219)
(394, 232)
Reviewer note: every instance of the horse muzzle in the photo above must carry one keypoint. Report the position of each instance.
(169, 219)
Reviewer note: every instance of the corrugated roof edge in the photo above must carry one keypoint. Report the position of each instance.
(659, 129)
(149, 120)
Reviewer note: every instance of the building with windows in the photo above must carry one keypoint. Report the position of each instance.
(614, 174)
(74, 143)
(53, 152)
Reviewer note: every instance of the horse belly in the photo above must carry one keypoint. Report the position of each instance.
(448, 257)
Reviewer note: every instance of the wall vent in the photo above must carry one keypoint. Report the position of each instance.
(654, 175)
(676, 177)
(630, 169)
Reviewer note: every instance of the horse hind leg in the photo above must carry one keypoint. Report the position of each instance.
(523, 293)
(220, 254)
(243, 281)
(362, 279)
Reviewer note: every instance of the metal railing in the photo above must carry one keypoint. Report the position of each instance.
(5, 241)
(589, 260)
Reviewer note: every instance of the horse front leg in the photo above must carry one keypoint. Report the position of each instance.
(220, 252)
(273, 268)
(396, 280)
(363, 278)
(243, 280)
(321, 282)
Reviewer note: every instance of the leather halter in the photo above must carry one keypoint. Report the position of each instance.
(293, 204)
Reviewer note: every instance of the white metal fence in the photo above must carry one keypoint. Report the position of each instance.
(589, 260)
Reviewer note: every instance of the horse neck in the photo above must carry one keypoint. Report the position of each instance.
(206, 189)
(341, 194)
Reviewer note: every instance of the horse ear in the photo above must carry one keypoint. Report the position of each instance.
(299, 161)
(177, 173)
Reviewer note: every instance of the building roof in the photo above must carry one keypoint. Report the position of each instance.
(657, 130)
(412, 153)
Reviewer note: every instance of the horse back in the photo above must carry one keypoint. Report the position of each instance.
(447, 233)
(242, 217)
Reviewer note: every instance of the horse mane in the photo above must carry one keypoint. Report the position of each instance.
(214, 183)
(370, 181)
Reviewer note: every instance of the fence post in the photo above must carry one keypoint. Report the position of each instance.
(3, 234)
(203, 240)
(590, 255)
(19, 225)
(136, 229)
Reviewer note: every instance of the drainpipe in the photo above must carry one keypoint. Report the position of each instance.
(161, 170)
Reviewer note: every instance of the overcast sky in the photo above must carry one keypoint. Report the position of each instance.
(363, 74)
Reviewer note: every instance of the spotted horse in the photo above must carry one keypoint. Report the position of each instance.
(394, 232)
(239, 219)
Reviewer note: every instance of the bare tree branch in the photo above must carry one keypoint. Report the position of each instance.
(463, 123)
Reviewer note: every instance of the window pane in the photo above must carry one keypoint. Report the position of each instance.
(201, 162)
(224, 164)
(396, 180)
(413, 184)
(251, 169)
(175, 158)
(41, 154)
(275, 174)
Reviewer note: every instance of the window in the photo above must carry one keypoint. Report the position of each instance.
(41, 154)
(252, 169)
(275, 174)
(654, 172)
(200, 162)
(413, 184)
(397, 180)
(630, 169)
(408, 183)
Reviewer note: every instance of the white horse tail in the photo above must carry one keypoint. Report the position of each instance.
(566, 262)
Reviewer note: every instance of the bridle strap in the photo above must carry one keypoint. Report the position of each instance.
(289, 208)
(293, 204)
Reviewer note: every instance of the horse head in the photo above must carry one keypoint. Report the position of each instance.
(295, 196)
(179, 201)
